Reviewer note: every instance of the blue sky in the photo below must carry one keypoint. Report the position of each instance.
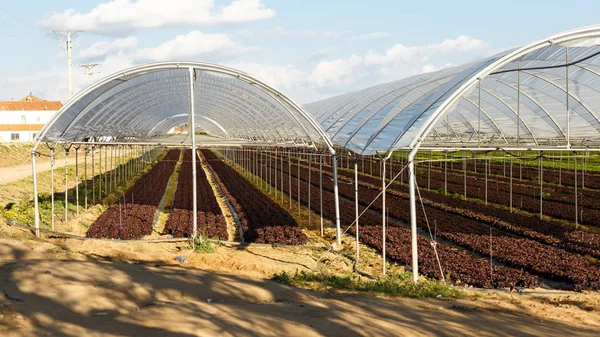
(308, 49)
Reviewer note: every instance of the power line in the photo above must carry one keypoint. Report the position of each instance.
(18, 19)
(15, 28)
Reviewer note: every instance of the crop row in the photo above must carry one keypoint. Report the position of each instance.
(132, 215)
(458, 265)
(557, 263)
(546, 231)
(210, 220)
(261, 219)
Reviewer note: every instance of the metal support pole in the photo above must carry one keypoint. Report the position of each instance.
(446, 174)
(321, 191)
(576, 192)
(36, 205)
(52, 187)
(192, 134)
(356, 211)
(567, 98)
(66, 185)
(465, 173)
(290, 178)
(100, 174)
(413, 214)
(93, 178)
(298, 202)
(511, 185)
(85, 177)
(336, 196)
(487, 167)
(77, 179)
(309, 183)
(541, 173)
(383, 211)
(429, 171)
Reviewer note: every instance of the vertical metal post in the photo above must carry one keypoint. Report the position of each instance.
(356, 211)
(465, 172)
(309, 183)
(383, 209)
(487, 164)
(336, 196)
(290, 177)
(100, 174)
(52, 187)
(321, 191)
(541, 176)
(413, 214)
(192, 134)
(511, 185)
(429, 171)
(85, 177)
(567, 98)
(518, 104)
(446, 174)
(479, 111)
(36, 205)
(66, 184)
(298, 184)
(93, 178)
(576, 193)
(560, 169)
(77, 179)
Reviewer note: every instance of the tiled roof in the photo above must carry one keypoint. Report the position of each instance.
(30, 103)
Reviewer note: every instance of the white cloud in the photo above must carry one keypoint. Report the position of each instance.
(245, 11)
(369, 36)
(335, 73)
(102, 49)
(211, 47)
(321, 54)
(330, 34)
(304, 82)
(119, 17)
(282, 32)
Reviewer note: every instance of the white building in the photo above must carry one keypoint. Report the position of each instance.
(21, 120)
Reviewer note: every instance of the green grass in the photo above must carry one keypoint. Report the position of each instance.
(392, 285)
(201, 245)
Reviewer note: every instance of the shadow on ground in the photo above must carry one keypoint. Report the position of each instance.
(102, 297)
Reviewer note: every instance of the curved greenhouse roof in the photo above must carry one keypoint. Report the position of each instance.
(545, 94)
(146, 101)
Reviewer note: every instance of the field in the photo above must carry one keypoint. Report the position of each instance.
(275, 197)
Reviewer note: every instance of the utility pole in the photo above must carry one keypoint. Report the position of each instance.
(88, 69)
(69, 34)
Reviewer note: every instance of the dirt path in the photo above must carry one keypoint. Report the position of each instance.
(50, 290)
(14, 173)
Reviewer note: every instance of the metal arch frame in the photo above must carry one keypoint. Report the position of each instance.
(542, 78)
(491, 120)
(562, 132)
(295, 110)
(182, 115)
(517, 116)
(580, 33)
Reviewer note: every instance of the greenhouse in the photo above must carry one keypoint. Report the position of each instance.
(533, 104)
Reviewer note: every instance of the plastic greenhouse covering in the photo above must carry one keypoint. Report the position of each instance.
(147, 101)
(543, 95)
(546, 94)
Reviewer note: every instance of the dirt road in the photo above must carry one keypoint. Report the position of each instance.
(48, 290)
(15, 173)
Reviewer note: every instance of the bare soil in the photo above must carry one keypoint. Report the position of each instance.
(65, 287)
